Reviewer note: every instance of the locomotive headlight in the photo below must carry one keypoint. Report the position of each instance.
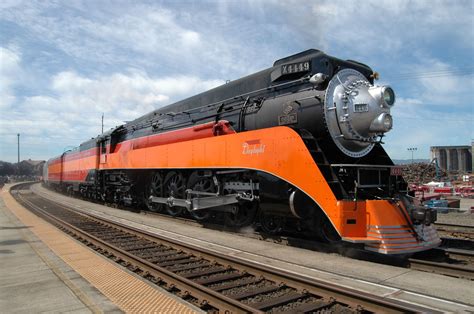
(388, 96)
(383, 95)
(387, 122)
(382, 123)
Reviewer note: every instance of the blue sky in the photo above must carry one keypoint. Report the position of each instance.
(63, 63)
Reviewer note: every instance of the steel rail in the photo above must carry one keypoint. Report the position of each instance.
(453, 225)
(460, 253)
(442, 268)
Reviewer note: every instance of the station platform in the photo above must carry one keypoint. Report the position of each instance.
(44, 270)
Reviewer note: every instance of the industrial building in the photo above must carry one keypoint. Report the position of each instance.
(453, 158)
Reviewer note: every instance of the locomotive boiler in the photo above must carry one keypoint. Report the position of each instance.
(294, 147)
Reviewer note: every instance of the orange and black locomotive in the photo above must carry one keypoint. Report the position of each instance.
(295, 146)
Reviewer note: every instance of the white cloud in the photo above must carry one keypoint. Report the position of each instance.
(106, 35)
(404, 102)
(391, 26)
(73, 114)
(10, 72)
(190, 38)
(5, 4)
(436, 82)
(119, 91)
(170, 41)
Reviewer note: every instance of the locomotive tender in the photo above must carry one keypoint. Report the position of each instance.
(296, 146)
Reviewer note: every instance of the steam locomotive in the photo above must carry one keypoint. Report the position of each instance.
(296, 146)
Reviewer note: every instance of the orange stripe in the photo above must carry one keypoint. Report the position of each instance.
(279, 151)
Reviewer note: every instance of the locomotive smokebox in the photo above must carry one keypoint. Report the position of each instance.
(356, 112)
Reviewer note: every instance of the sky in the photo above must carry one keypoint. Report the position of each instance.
(64, 63)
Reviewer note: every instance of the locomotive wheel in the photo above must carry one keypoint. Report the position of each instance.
(201, 184)
(175, 186)
(155, 189)
(244, 215)
(327, 232)
(271, 224)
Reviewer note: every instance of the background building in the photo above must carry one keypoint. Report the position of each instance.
(453, 158)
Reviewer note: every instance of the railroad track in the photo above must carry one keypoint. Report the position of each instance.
(454, 258)
(459, 254)
(214, 283)
(440, 261)
(445, 261)
(455, 262)
(456, 231)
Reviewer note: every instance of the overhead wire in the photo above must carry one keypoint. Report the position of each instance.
(434, 119)
(432, 74)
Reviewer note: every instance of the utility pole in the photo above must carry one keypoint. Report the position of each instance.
(412, 150)
(18, 135)
(102, 123)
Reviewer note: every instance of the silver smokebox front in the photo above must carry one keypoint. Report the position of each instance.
(356, 112)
